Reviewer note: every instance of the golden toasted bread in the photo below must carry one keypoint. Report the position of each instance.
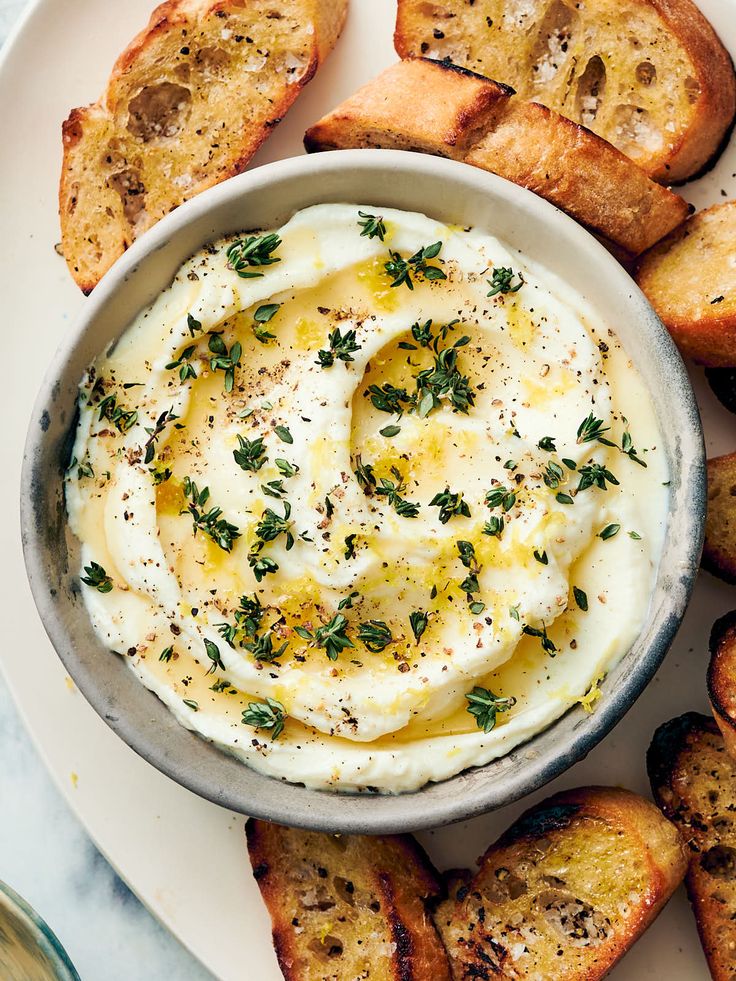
(649, 76)
(565, 891)
(722, 678)
(719, 551)
(347, 907)
(694, 782)
(690, 280)
(187, 105)
(436, 108)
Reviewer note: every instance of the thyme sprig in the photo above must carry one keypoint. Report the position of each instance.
(595, 475)
(627, 445)
(502, 281)
(269, 715)
(213, 653)
(332, 636)
(548, 645)
(372, 225)
(122, 419)
(418, 621)
(375, 634)
(97, 578)
(251, 454)
(592, 429)
(155, 432)
(450, 504)
(341, 347)
(248, 617)
(210, 523)
(255, 250)
(392, 491)
(183, 363)
(401, 270)
(484, 706)
(501, 497)
(223, 359)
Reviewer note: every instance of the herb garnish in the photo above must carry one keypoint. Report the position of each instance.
(627, 445)
(393, 491)
(213, 653)
(595, 475)
(190, 703)
(272, 525)
(444, 380)
(220, 531)
(364, 475)
(547, 644)
(350, 546)
(469, 585)
(388, 398)
(450, 504)
(331, 636)
(373, 226)
(97, 578)
(183, 363)
(251, 455)
(262, 648)
(284, 434)
(592, 429)
(609, 531)
(223, 359)
(501, 497)
(484, 706)
(375, 634)
(402, 269)
(286, 468)
(494, 527)
(581, 598)
(261, 565)
(390, 431)
(553, 475)
(166, 654)
(274, 488)
(122, 419)
(266, 715)
(248, 618)
(265, 313)
(541, 557)
(418, 620)
(502, 281)
(255, 250)
(340, 347)
(153, 433)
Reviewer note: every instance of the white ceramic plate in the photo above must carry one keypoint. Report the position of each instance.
(184, 857)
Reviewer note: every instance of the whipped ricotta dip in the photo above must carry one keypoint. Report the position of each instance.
(367, 500)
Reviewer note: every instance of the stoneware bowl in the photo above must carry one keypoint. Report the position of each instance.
(29, 950)
(266, 198)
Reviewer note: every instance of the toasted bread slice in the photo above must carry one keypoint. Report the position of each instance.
(187, 105)
(690, 280)
(565, 891)
(722, 678)
(694, 782)
(348, 908)
(649, 76)
(436, 108)
(719, 551)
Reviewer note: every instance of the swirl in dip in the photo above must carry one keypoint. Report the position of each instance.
(359, 500)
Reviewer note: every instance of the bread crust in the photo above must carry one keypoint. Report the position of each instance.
(722, 678)
(698, 140)
(103, 212)
(689, 280)
(719, 550)
(424, 105)
(394, 867)
(653, 852)
(694, 782)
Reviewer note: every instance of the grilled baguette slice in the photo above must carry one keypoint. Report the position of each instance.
(436, 108)
(347, 908)
(690, 281)
(187, 105)
(719, 552)
(565, 891)
(649, 76)
(694, 782)
(722, 678)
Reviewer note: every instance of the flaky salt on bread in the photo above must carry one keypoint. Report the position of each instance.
(348, 907)
(435, 108)
(719, 551)
(649, 76)
(566, 891)
(187, 105)
(690, 280)
(694, 782)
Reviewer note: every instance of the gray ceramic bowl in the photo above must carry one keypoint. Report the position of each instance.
(267, 197)
(29, 950)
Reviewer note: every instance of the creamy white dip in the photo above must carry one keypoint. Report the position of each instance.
(528, 587)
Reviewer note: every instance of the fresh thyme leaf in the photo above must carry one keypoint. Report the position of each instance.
(248, 619)
(609, 531)
(211, 522)
(511, 465)
(332, 636)
(494, 527)
(570, 464)
(547, 444)
(580, 598)
(266, 715)
(122, 419)
(635, 535)
(190, 703)
(350, 546)
(450, 504)
(341, 347)
(283, 434)
(329, 507)
(261, 565)
(272, 526)
(160, 476)
(392, 490)
(502, 281)
(466, 552)
(553, 475)
(274, 488)
(541, 557)
(364, 475)
(266, 312)
(166, 654)
(213, 653)
(627, 446)
(592, 429)
(388, 398)
(422, 333)
(346, 603)
(372, 225)
(194, 325)
(548, 645)
(286, 468)
(501, 497)
(221, 685)
(262, 647)
(223, 359)
(595, 475)
(390, 431)
(418, 620)
(401, 270)
(183, 363)
(97, 578)
(514, 612)
(153, 434)
(255, 250)
(444, 380)
(484, 706)
(261, 334)
(564, 498)
(477, 607)
(375, 634)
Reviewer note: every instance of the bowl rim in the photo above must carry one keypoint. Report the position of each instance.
(48, 943)
(329, 810)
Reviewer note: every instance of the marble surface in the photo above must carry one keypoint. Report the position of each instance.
(47, 857)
